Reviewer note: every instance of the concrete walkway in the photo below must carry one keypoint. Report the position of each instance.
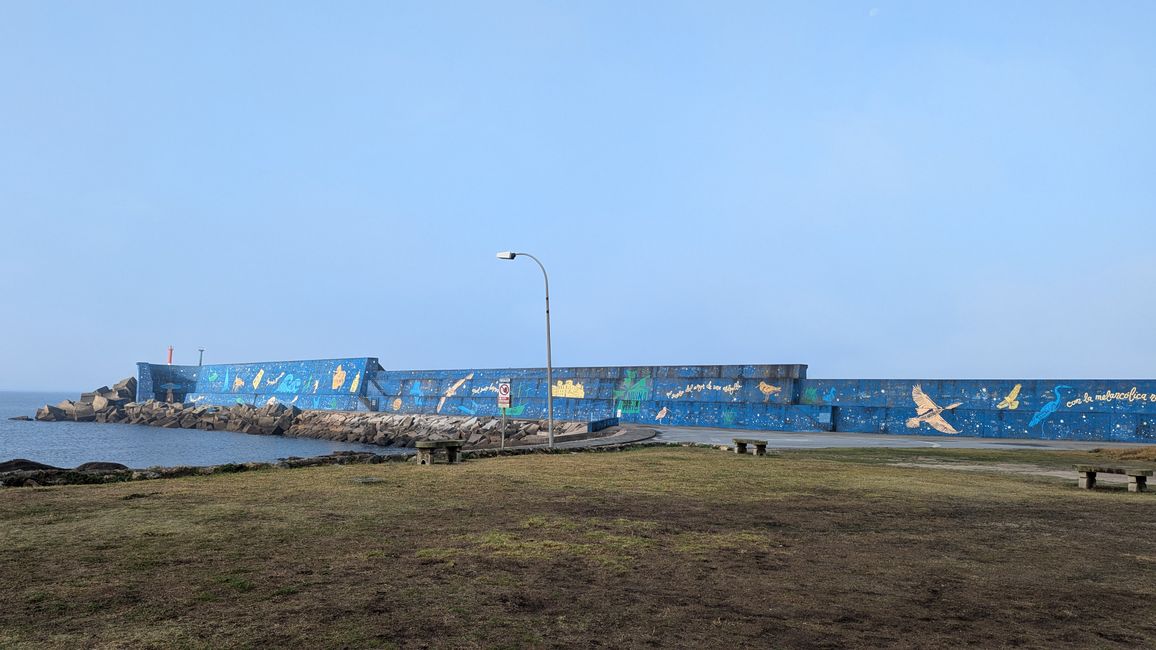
(624, 436)
(808, 440)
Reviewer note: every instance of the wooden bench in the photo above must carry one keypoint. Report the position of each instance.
(741, 446)
(426, 449)
(1137, 478)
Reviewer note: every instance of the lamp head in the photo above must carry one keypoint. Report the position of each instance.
(507, 255)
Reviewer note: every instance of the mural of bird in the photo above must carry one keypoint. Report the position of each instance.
(1012, 400)
(768, 389)
(661, 414)
(453, 390)
(929, 413)
(1051, 407)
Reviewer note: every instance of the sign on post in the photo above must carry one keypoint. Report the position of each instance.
(503, 393)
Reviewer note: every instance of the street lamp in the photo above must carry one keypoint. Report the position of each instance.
(508, 255)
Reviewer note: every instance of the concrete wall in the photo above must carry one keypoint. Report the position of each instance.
(1068, 409)
(332, 384)
(756, 396)
(773, 397)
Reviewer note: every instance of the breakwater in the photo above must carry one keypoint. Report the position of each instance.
(113, 406)
(769, 397)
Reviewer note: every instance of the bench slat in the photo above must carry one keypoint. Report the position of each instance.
(1104, 469)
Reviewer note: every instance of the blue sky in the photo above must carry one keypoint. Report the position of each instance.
(877, 189)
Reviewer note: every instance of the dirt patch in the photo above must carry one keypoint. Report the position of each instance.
(1012, 468)
(1128, 453)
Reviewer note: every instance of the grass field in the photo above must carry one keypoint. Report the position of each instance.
(660, 547)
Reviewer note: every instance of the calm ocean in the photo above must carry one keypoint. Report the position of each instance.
(68, 444)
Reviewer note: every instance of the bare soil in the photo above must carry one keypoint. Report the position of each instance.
(650, 548)
(1009, 468)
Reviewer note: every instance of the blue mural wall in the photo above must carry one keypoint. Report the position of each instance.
(1069, 409)
(330, 384)
(754, 396)
(770, 397)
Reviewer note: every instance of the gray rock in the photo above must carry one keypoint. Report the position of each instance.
(23, 465)
(84, 413)
(97, 466)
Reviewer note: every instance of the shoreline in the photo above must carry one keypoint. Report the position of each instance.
(27, 473)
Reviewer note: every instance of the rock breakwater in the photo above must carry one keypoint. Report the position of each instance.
(115, 405)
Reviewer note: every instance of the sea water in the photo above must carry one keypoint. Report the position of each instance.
(68, 444)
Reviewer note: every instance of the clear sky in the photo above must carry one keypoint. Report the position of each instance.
(876, 189)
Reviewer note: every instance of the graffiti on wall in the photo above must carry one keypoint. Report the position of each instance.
(631, 392)
(693, 389)
(492, 387)
(929, 413)
(1011, 401)
(1051, 407)
(1108, 396)
(569, 388)
(661, 414)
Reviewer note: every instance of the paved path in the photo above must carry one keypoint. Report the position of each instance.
(624, 436)
(807, 440)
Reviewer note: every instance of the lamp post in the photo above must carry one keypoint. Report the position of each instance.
(201, 357)
(507, 255)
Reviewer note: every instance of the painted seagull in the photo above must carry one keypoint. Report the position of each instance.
(928, 412)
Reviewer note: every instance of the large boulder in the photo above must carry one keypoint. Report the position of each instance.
(99, 466)
(51, 414)
(23, 465)
(84, 413)
(126, 388)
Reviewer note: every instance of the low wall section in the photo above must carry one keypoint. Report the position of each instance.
(329, 384)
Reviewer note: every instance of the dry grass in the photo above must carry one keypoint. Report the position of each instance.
(658, 547)
(1145, 454)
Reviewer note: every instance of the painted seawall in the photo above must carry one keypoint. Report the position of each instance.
(770, 397)
(324, 384)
